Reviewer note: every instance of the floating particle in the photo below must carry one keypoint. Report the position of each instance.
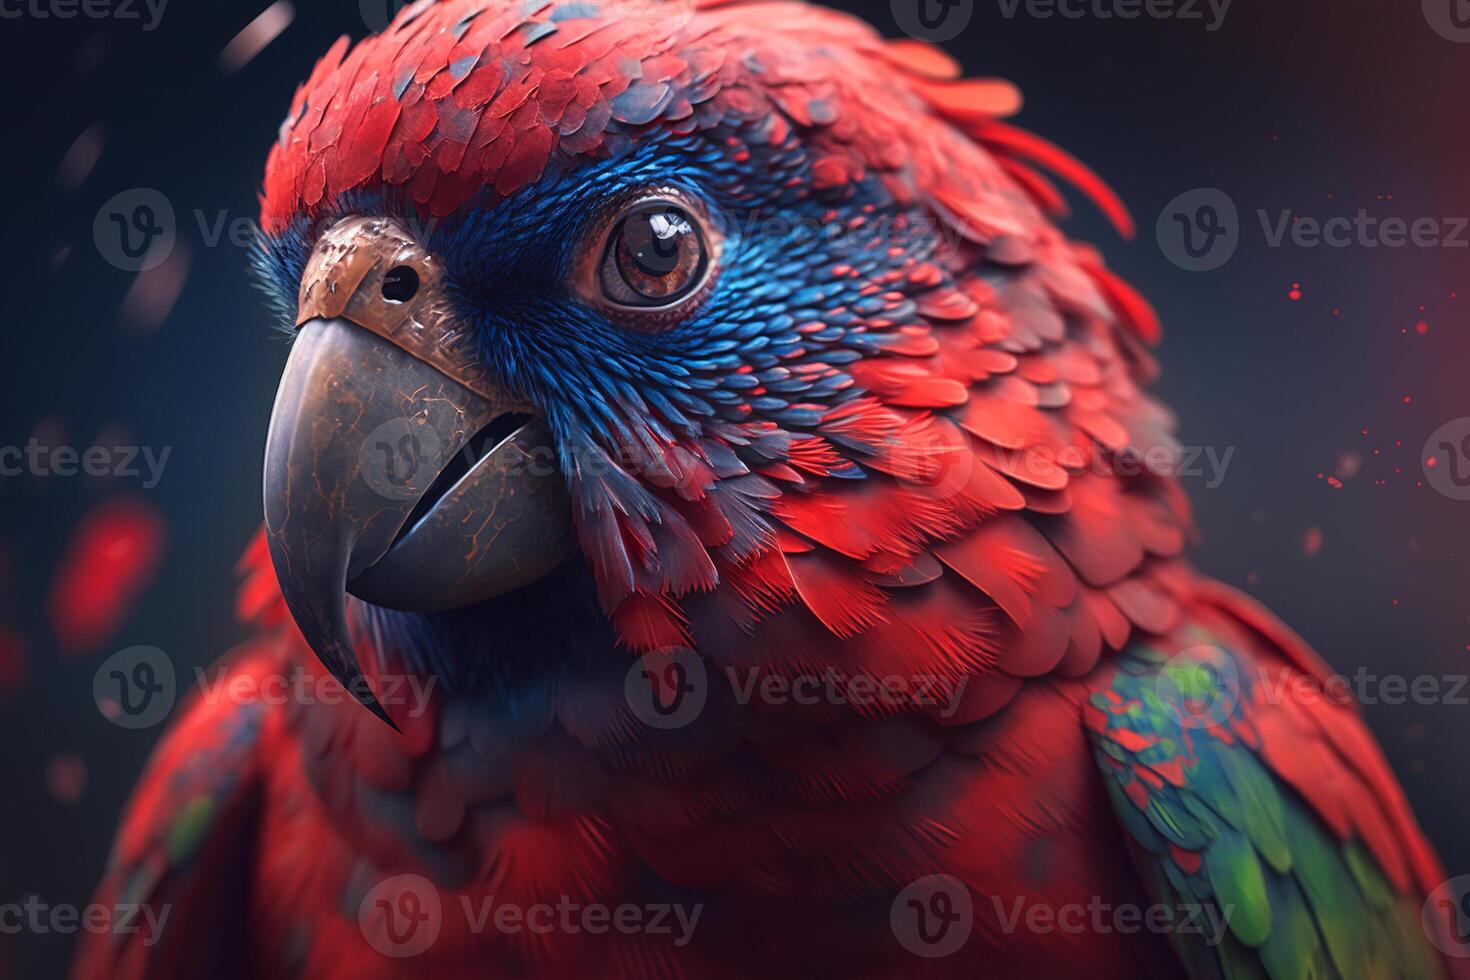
(114, 437)
(66, 777)
(112, 558)
(81, 157)
(1312, 541)
(155, 291)
(256, 36)
(1334, 483)
(1349, 464)
(12, 661)
(1421, 328)
(1408, 399)
(50, 431)
(92, 53)
(1296, 292)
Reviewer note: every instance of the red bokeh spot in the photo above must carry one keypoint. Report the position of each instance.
(111, 561)
(12, 661)
(66, 777)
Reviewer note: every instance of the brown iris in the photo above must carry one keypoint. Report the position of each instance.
(656, 255)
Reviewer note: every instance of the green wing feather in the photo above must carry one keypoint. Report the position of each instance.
(1211, 825)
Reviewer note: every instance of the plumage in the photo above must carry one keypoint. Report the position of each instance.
(891, 457)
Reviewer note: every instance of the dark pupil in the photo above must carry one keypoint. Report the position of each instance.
(654, 255)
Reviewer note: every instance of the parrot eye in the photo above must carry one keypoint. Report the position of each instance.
(654, 256)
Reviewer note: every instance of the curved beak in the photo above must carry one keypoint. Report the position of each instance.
(387, 477)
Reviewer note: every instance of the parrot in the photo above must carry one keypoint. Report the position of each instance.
(716, 524)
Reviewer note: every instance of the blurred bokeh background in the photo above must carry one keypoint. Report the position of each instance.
(1320, 371)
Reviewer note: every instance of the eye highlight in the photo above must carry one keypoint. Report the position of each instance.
(654, 256)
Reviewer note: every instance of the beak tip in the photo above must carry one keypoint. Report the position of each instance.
(371, 703)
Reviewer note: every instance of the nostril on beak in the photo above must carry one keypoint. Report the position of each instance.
(400, 284)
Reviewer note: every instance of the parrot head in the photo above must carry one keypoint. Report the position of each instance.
(668, 291)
